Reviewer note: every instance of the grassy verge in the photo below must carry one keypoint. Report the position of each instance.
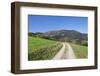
(42, 49)
(80, 51)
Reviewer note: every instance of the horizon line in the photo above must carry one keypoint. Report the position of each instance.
(57, 30)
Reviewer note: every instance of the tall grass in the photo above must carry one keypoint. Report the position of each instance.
(42, 49)
(80, 50)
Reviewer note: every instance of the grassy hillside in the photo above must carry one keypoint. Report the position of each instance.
(80, 51)
(42, 49)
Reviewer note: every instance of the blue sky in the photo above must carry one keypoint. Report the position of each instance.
(44, 23)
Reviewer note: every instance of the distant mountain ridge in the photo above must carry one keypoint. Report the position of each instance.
(63, 35)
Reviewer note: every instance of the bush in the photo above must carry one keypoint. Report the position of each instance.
(85, 43)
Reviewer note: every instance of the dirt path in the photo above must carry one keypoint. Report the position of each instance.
(65, 53)
(70, 53)
(60, 53)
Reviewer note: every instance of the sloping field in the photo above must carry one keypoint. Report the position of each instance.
(42, 49)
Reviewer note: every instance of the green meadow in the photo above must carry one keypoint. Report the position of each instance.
(80, 50)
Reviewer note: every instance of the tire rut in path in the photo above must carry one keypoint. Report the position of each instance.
(70, 52)
(65, 53)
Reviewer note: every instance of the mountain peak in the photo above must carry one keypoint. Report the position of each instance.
(63, 34)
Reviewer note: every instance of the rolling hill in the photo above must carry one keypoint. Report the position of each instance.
(63, 35)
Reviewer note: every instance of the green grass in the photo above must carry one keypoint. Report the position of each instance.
(36, 42)
(42, 49)
(80, 50)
